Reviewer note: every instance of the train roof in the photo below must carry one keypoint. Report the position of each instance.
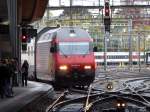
(74, 32)
(63, 33)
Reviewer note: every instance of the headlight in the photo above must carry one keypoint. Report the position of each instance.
(87, 67)
(123, 104)
(118, 104)
(63, 67)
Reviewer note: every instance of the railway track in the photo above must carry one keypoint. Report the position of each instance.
(133, 88)
(94, 96)
(121, 73)
(87, 103)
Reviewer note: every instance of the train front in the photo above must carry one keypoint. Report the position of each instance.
(75, 57)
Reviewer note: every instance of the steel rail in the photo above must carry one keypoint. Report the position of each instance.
(114, 97)
(105, 97)
(56, 101)
(87, 100)
(135, 98)
(132, 90)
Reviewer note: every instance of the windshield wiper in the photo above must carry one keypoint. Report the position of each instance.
(85, 53)
(63, 53)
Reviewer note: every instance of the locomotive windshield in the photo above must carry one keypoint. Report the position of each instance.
(69, 48)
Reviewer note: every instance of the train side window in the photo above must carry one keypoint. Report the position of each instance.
(126, 57)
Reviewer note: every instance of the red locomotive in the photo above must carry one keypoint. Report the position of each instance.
(65, 55)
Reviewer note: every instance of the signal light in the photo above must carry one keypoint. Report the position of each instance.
(107, 23)
(110, 86)
(24, 46)
(24, 39)
(107, 10)
(107, 20)
(120, 105)
(24, 42)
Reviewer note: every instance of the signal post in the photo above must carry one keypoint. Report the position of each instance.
(107, 23)
(27, 33)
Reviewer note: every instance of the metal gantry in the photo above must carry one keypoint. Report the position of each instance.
(96, 7)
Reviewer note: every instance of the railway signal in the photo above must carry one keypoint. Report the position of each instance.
(107, 8)
(109, 86)
(107, 19)
(27, 34)
(107, 23)
(24, 43)
(120, 105)
(24, 40)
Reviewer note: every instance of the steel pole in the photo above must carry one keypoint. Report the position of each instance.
(59, 2)
(71, 22)
(35, 56)
(144, 52)
(129, 41)
(105, 50)
(139, 52)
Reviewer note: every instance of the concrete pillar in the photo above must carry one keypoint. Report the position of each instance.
(15, 32)
(12, 18)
